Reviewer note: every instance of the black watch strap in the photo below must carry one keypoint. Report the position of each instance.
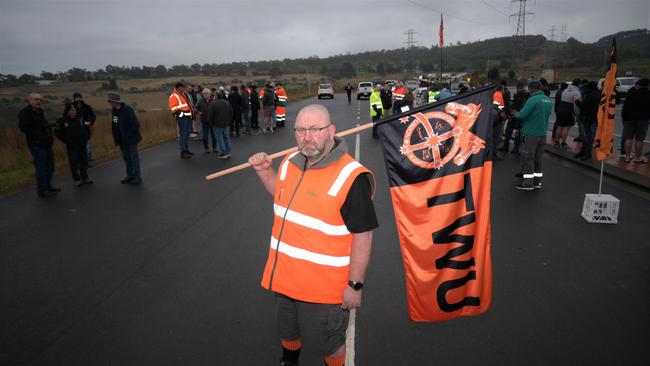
(355, 285)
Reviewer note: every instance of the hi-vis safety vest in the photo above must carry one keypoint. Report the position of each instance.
(309, 255)
(399, 93)
(178, 102)
(432, 96)
(375, 100)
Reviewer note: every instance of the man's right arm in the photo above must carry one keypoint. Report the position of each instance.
(261, 162)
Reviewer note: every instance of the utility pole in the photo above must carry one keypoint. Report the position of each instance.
(519, 44)
(410, 41)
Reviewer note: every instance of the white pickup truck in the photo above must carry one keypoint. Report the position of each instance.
(364, 90)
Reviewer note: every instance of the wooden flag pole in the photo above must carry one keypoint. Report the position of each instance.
(285, 152)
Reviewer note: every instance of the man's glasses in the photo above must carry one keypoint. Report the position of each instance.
(313, 130)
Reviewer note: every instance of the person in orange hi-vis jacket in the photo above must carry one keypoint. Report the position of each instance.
(321, 238)
(281, 107)
(183, 111)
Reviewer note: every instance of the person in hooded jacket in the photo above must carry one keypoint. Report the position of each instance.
(126, 135)
(255, 107)
(236, 103)
(71, 131)
(87, 115)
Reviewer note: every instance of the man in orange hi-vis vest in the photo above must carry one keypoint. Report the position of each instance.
(182, 109)
(281, 107)
(321, 238)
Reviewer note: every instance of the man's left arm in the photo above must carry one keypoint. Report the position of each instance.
(359, 259)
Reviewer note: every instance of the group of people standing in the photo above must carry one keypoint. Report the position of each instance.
(223, 113)
(73, 129)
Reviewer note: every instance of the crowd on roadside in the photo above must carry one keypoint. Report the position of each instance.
(215, 115)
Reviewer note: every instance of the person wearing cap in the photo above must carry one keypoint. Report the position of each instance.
(534, 120)
(71, 131)
(87, 115)
(126, 135)
(183, 110)
(376, 108)
(38, 133)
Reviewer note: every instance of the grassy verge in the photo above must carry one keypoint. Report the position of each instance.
(17, 169)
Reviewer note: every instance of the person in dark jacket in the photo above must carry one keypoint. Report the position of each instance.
(386, 98)
(71, 131)
(268, 105)
(636, 115)
(246, 109)
(126, 134)
(588, 117)
(255, 107)
(39, 137)
(87, 115)
(206, 129)
(513, 123)
(558, 99)
(236, 102)
(220, 116)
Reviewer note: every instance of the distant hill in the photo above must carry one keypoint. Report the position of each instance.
(477, 58)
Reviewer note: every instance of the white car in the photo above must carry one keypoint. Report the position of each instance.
(364, 89)
(325, 90)
(627, 83)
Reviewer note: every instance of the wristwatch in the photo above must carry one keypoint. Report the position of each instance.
(355, 285)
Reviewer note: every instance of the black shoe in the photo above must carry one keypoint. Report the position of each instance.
(537, 185)
(54, 189)
(523, 187)
(126, 180)
(87, 180)
(185, 155)
(503, 149)
(135, 181)
(189, 152)
(45, 194)
(519, 175)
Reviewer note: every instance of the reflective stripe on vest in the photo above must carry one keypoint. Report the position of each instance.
(299, 253)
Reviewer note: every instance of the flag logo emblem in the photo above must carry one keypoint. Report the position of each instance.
(433, 139)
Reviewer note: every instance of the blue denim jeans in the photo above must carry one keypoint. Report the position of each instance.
(184, 129)
(590, 132)
(223, 139)
(44, 164)
(207, 132)
(131, 159)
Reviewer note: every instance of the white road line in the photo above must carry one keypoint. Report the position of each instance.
(349, 339)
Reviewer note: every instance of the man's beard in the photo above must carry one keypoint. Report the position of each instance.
(311, 153)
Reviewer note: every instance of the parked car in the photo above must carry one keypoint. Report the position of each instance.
(325, 90)
(364, 89)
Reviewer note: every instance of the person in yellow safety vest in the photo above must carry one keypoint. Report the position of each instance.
(321, 239)
(398, 95)
(281, 107)
(376, 107)
(183, 110)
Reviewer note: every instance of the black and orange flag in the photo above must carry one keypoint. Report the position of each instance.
(604, 139)
(439, 172)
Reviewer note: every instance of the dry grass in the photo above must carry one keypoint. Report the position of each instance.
(16, 165)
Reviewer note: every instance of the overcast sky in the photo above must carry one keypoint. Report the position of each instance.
(56, 35)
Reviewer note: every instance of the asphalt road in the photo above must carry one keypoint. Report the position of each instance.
(168, 273)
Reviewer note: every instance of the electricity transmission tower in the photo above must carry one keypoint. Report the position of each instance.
(410, 41)
(563, 33)
(519, 49)
(551, 36)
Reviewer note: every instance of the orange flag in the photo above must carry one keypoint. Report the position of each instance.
(604, 139)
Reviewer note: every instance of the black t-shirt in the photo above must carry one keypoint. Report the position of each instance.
(358, 211)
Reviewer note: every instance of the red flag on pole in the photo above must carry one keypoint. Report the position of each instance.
(439, 170)
(604, 139)
(441, 32)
